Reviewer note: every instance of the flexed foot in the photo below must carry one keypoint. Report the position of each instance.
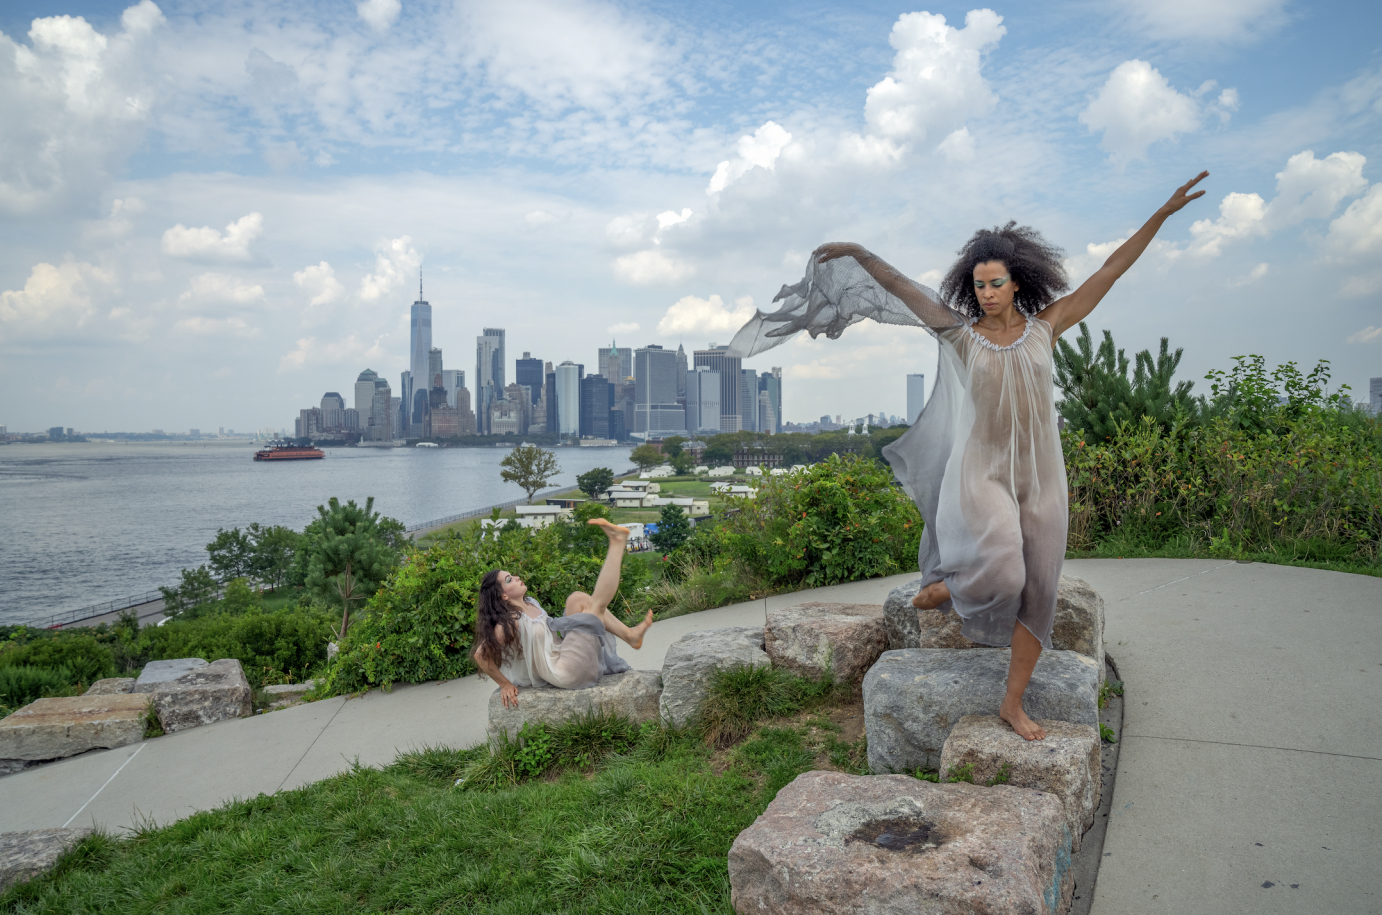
(636, 632)
(612, 530)
(1012, 713)
(932, 596)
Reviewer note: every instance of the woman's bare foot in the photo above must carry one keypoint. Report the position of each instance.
(1011, 712)
(636, 632)
(932, 596)
(612, 530)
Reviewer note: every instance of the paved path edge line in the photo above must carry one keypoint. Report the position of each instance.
(127, 761)
(1254, 746)
(311, 745)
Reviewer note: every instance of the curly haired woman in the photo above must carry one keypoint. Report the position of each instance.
(514, 641)
(983, 462)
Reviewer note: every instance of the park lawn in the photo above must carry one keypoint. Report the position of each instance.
(646, 828)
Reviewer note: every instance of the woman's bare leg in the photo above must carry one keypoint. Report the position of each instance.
(607, 585)
(932, 596)
(1026, 649)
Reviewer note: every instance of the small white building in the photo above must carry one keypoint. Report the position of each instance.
(663, 471)
(753, 471)
(634, 500)
(700, 469)
(797, 468)
(778, 472)
(541, 515)
(742, 492)
(725, 471)
(694, 508)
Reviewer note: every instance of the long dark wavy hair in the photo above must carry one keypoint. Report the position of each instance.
(1032, 262)
(492, 612)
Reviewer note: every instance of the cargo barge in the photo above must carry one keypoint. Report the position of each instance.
(289, 453)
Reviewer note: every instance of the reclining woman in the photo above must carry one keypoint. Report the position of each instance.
(514, 641)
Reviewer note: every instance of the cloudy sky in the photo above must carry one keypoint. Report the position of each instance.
(213, 212)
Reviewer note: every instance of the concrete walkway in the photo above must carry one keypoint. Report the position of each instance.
(1248, 778)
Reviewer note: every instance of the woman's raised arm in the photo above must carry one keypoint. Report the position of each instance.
(932, 313)
(1069, 310)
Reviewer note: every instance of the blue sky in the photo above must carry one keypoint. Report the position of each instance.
(210, 213)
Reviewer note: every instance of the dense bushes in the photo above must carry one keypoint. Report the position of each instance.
(840, 520)
(273, 647)
(421, 625)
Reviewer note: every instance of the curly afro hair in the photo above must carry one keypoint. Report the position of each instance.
(1032, 262)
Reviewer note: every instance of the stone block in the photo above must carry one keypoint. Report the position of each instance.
(913, 697)
(1065, 764)
(25, 855)
(814, 639)
(633, 694)
(891, 844)
(691, 662)
(207, 694)
(157, 672)
(61, 727)
(111, 686)
(1078, 624)
(289, 690)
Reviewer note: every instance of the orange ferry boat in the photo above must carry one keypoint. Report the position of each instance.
(289, 453)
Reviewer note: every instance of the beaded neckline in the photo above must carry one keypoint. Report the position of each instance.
(989, 344)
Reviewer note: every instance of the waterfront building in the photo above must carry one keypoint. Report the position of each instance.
(528, 372)
(433, 366)
(728, 367)
(517, 394)
(916, 397)
(364, 395)
(381, 424)
(767, 419)
(332, 412)
(595, 394)
(568, 395)
(655, 409)
(748, 401)
(465, 417)
(399, 415)
(549, 397)
(702, 400)
(615, 363)
(681, 375)
(489, 372)
(771, 381)
(451, 380)
(405, 384)
(419, 364)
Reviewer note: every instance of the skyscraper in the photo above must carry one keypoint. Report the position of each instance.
(681, 375)
(702, 400)
(594, 407)
(568, 384)
(489, 372)
(718, 360)
(916, 397)
(528, 372)
(364, 396)
(415, 393)
(748, 401)
(1375, 396)
(655, 407)
(452, 380)
(615, 363)
(381, 424)
(433, 364)
(770, 383)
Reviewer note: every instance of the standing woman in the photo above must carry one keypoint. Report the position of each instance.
(983, 462)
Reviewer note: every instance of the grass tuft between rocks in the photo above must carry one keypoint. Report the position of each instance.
(597, 815)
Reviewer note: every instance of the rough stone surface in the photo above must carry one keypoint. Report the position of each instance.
(813, 639)
(11, 766)
(205, 695)
(111, 686)
(1078, 625)
(25, 855)
(913, 697)
(891, 844)
(633, 694)
(1065, 764)
(61, 727)
(290, 690)
(693, 659)
(158, 672)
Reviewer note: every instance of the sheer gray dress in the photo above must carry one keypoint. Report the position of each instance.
(983, 462)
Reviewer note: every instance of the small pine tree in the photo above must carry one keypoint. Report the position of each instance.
(1098, 395)
(672, 529)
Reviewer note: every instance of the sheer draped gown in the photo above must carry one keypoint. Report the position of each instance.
(569, 652)
(983, 462)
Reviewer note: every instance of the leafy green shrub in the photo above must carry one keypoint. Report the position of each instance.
(23, 683)
(421, 625)
(839, 520)
(84, 658)
(271, 647)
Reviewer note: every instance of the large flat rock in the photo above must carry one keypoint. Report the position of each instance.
(891, 844)
(633, 694)
(61, 727)
(159, 672)
(25, 855)
(1078, 624)
(111, 686)
(207, 694)
(690, 665)
(913, 697)
(1065, 763)
(815, 639)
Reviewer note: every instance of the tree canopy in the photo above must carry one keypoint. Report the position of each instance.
(594, 482)
(647, 457)
(530, 467)
(351, 550)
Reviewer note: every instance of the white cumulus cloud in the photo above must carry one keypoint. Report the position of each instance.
(758, 150)
(379, 14)
(1137, 107)
(626, 327)
(210, 290)
(651, 268)
(313, 352)
(207, 244)
(1196, 20)
(695, 316)
(320, 283)
(935, 83)
(1366, 335)
(396, 264)
(1358, 230)
(56, 299)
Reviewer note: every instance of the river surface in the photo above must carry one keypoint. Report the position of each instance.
(85, 523)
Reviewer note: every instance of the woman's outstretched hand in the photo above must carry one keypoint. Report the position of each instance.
(834, 249)
(1180, 198)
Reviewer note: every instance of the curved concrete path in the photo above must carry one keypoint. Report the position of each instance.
(1248, 780)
